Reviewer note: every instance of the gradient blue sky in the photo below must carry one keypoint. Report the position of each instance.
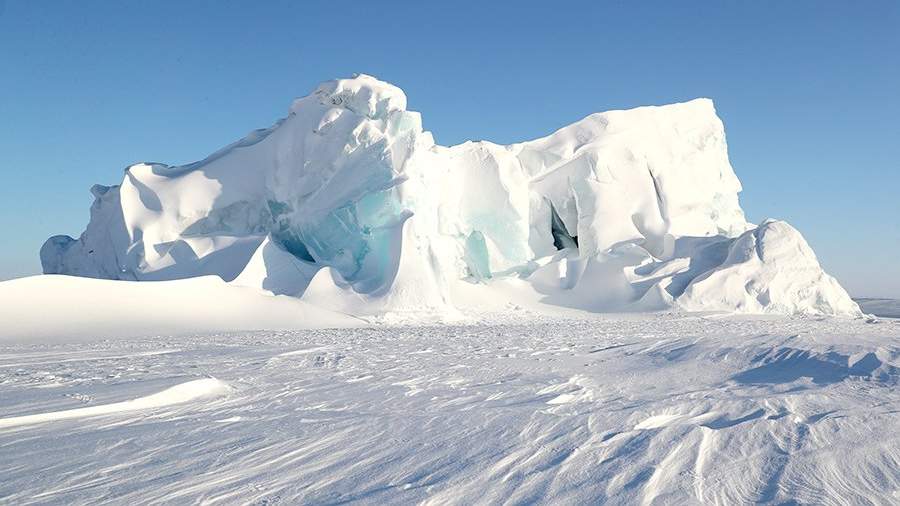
(809, 92)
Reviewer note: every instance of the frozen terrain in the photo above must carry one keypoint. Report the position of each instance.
(348, 203)
(42, 309)
(629, 409)
(338, 310)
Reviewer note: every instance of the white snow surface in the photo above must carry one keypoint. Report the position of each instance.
(336, 310)
(770, 269)
(348, 203)
(617, 409)
(184, 392)
(54, 308)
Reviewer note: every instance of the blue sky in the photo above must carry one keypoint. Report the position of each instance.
(809, 92)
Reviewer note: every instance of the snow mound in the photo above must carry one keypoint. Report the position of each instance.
(275, 270)
(178, 394)
(83, 308)
(770, 269)
(348, 203)
(364, 95)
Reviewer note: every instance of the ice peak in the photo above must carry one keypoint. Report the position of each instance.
(362, 94)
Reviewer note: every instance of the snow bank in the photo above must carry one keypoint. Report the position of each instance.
(275, 270)
(348, 203)
(769, 270)
(61, 308)
(178, 394)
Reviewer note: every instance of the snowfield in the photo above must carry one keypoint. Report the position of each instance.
(41, 309)
(338, 310)
(627, 409)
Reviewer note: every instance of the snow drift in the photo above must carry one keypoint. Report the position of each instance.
(348, 203)
(61, 308)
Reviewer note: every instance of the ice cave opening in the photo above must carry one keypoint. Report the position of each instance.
(562, 239)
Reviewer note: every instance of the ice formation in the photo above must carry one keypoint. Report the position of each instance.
(348, 203)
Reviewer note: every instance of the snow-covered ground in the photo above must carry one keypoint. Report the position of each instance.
(69, 308)
(433, 329)
(652, 408)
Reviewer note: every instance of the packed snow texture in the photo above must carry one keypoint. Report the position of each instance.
(348, 203)
(64, 308)
(618, 409)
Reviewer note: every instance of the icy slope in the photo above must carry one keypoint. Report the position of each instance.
(348, 203)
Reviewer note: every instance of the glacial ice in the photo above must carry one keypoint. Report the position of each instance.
(348, 203)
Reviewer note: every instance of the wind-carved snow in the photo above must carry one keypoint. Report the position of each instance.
(65, 308)
(615, 409)
(349, 204)
(178, 394)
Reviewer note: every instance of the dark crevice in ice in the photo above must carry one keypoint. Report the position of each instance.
(295, 246)
(562, 239)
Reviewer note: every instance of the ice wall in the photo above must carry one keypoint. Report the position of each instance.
(348, 202)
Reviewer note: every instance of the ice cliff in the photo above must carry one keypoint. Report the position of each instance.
(348, 203)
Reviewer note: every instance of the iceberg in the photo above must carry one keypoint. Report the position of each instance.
(349, 204)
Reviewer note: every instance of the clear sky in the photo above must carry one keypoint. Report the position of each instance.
(809, 92)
